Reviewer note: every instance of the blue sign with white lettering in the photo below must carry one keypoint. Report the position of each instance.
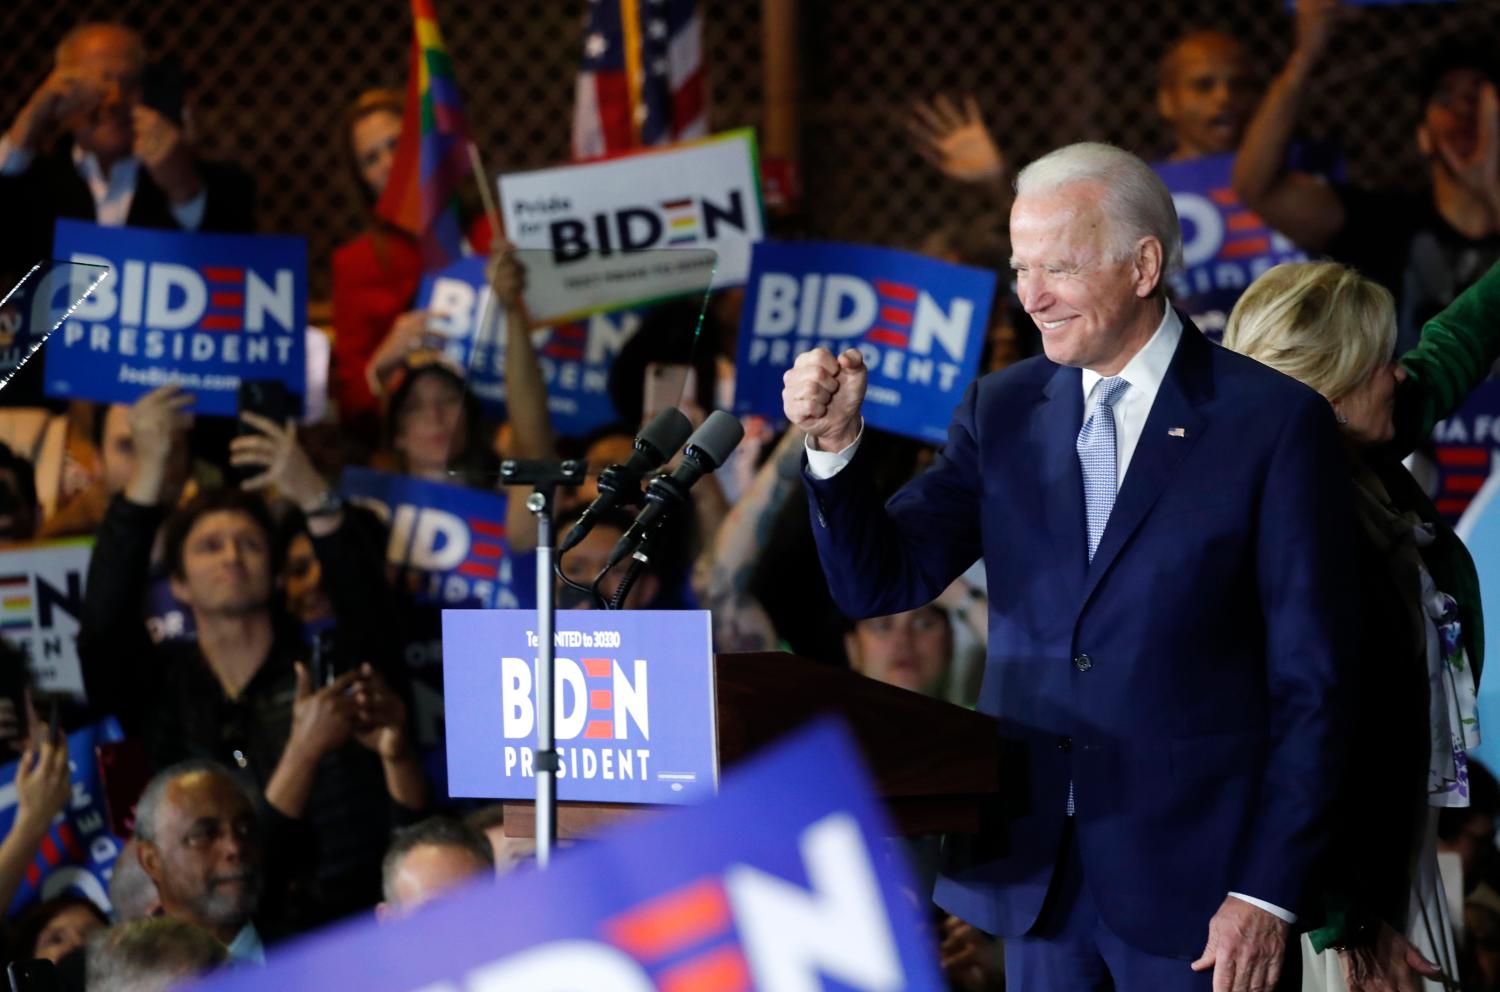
(575, 357)
(204, 311)
(79, 850)
(920, 324)
(635, 705)
(783, 883)
(1464, 445)
(1225, 247)
(447, 542)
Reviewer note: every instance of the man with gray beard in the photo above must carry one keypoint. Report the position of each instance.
(199, 843)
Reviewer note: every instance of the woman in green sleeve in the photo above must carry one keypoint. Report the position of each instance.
(1421, 632)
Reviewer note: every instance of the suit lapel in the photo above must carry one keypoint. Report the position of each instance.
(1054, 429)
(1160, 450)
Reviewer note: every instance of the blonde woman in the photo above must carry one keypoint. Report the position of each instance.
(1421, 630)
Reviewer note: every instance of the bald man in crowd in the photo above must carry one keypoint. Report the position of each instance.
(90, 145)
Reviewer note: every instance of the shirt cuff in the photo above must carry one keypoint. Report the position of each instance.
(189, 215)
(13, 160)
(1281, 914)
(827, 464)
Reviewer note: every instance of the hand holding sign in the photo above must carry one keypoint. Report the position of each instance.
(158, 422)
(507, 276)
(822, 395)
(43, 781)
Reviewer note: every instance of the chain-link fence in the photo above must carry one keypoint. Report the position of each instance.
(269, 79)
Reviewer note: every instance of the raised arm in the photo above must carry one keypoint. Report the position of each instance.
(525, 387)
(721, 575)
(1457, 349)
(1303, 207)
(112, 641)
(959, 144)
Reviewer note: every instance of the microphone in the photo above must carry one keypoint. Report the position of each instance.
(705, 451)
(656, 441)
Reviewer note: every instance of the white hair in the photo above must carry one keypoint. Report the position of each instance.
(1135, 201)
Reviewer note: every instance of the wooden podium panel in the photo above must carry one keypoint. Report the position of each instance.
(935, 765)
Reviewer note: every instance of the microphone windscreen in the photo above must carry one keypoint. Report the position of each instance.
(667, 432)
(717, 437)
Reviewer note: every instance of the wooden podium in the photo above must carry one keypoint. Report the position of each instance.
(936, 765)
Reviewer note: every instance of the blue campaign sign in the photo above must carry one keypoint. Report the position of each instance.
(634, 705)
(783, 883)
(575, 357)
(1224, 246)
(202, 310)
(78, 853)
(920, 324)
(1464, 445)
(447, 542)
(1480, 530)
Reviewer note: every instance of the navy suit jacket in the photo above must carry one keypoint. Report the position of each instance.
(1188, 681)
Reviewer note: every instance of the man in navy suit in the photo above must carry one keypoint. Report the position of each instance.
(1164, 525)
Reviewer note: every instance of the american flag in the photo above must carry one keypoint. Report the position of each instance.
(642, 77)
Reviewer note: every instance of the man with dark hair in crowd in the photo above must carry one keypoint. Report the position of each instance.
(1425, 247)
(88, 145)
(151, 956)
(238, 693)
(199, 843)
(429, 858)
(912, 649)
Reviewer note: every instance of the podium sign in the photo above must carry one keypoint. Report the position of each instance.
(635, 716)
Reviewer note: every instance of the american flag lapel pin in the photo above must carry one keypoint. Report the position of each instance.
(1177, 432)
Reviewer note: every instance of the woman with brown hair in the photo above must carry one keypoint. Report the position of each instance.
(376, 274)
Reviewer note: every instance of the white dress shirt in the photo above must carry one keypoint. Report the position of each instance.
(113, 193)
(1145, 372)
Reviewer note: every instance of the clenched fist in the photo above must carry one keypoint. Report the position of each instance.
(821, 395)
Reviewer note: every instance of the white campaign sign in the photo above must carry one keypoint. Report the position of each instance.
(624, 231)
(41, 596)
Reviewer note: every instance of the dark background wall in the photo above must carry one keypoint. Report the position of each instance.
(270, 78)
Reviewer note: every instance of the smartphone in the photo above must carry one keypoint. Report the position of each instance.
(161, 89)
(665, 386)
(267, 397)
(35, 975)
(322, 663)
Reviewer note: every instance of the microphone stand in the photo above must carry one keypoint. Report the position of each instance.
(544, 476)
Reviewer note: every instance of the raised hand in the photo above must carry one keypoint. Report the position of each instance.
(43, 780)
(1316, 20)
(956, 141)
(274, 448)
(379, 715)
(412, 331)
(507, 276)
(157, 421)
(1477, 168)
(163, 150)
(64, 94)
(821, 395)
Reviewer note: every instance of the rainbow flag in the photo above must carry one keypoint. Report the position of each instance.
(432, 159)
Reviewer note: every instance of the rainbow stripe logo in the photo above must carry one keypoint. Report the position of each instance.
(15, 603)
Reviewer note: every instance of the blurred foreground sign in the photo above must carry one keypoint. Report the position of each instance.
(783, 883)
